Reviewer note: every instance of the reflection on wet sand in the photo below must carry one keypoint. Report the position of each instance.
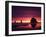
(25, 26)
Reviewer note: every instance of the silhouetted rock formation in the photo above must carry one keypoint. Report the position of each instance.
(33, 22)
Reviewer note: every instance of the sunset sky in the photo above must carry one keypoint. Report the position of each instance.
(26, 13)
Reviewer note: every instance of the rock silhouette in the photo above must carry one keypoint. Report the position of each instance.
(33, 22)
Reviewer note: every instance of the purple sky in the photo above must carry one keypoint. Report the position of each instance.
(21, 11)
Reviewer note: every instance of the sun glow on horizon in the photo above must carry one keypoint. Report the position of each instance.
(27, 21)
(18, 21)
(24, 20)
